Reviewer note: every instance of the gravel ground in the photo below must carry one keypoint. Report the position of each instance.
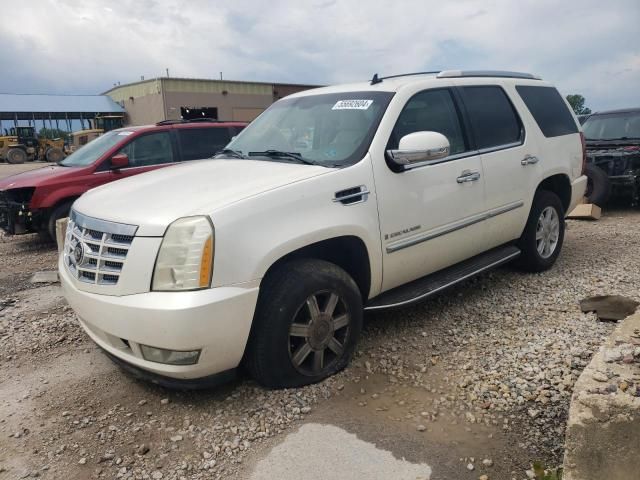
(476, 381)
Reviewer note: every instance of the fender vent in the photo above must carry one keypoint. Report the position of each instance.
(352, 195)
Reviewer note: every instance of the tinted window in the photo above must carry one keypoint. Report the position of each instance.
(197, 143)
(150, 149)
(493, 118)
(432, 111)
(548, 109)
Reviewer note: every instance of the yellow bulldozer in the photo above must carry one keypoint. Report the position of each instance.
(21, 144)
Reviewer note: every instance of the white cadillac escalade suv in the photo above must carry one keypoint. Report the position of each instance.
(332, 202)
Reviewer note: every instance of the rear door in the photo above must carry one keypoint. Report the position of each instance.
(499, 136)
(199, 143)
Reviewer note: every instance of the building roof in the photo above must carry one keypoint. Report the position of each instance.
(208, 80)
(24, 105)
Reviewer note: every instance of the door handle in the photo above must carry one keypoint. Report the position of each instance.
(468, 176)
(529, 160)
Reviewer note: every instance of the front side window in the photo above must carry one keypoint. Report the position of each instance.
(613, 126)
(93, 150)
(198, 143)
(493, 119)
(333, 129)
(150, 149)
(430, 111)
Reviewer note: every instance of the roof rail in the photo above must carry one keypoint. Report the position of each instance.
(486, 73)
(192, 120)
(377, 79)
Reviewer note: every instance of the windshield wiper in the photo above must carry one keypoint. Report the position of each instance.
(229, 153)
(279, 154)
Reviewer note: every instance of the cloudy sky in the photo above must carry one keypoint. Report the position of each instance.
(85, 46)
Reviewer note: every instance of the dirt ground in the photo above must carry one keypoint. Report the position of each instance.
(482, 373)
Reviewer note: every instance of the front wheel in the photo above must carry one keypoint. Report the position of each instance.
(543, 235)
(306, 326)
(16, 155)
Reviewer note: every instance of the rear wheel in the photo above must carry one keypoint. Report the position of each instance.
(54, 155)
(598, 185)
(16, 155)
(306, 326)
(543, 235)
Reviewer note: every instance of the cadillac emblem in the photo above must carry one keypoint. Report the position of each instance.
(78, 254)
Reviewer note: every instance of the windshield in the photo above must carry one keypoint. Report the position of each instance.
(613, 126)
(328, 129)
(94, 149)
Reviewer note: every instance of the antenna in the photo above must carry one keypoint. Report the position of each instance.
(375, 79)
(167, 72)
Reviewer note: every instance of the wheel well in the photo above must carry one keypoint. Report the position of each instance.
(348, 252)
(561, 186)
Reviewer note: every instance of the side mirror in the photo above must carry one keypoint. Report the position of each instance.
(420, 147)
(121, 160)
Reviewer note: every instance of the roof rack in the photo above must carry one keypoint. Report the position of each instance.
(486, 73)
(377, 79)
(192, 120)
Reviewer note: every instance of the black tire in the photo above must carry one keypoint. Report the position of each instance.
(54, 155)
(273, 353)
(16, 155)
(531, 259)
(48, 233)
(598, 185)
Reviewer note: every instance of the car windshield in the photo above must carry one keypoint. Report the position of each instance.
(94, 149)
(326, 129)
(613, 126)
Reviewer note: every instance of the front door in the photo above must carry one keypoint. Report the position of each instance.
(430, 214)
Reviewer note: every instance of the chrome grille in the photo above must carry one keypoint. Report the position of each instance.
(95, 250)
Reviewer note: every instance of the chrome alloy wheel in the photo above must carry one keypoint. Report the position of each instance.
(547, 232)
(319, 332)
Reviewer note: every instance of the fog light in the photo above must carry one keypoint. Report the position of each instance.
(171, 357)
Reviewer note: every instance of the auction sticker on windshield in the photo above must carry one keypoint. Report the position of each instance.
(352, 104)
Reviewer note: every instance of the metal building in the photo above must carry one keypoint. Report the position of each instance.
(166, 98)
(65, 112)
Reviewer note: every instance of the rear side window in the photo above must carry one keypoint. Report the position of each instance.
(198, 143)
(492, 116)
(548, 109)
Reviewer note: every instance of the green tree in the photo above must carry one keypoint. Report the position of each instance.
(53, 133)
(577, 103)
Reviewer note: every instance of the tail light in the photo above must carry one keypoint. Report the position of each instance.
(584, 153)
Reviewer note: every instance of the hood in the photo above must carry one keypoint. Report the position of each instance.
(155, 199)
(34, 178)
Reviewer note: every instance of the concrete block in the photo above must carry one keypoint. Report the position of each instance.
(49, 276)
(603, 430)
(61, 230)
(586, 211)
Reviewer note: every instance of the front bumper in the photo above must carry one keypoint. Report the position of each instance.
(16, 219)
(216, 321)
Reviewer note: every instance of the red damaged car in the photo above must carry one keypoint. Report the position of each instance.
(32, 201)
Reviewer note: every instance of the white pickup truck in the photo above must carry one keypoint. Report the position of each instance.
(332, 202)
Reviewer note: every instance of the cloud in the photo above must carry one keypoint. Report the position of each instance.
(83, 46)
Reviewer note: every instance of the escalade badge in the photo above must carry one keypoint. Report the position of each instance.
(78, 254)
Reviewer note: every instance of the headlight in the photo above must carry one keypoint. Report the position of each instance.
(185, 259)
